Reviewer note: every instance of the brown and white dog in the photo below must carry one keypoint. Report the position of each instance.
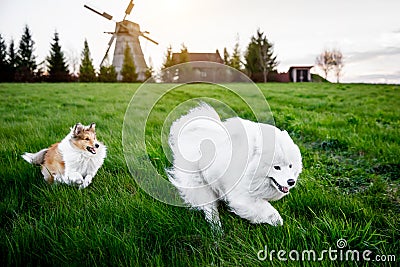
(74, 161)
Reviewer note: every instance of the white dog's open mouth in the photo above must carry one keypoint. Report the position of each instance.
(283, 189)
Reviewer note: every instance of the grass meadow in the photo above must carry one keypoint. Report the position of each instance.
(349, 136)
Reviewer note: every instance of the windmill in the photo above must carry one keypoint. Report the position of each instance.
(126, 33)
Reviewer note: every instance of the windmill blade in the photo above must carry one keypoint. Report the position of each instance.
(111, 40)
(129, 8)
(104, 14)
(148, 38)
(108, 48)
(139, 33)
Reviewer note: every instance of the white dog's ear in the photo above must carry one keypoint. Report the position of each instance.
(78, 129)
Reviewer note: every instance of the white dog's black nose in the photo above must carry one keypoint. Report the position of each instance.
(291, 182)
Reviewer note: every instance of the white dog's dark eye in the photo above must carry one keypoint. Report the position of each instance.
(277, 168)
(290, 165)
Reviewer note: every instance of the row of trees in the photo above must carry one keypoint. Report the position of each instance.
(259, 58)
(258, 61)
(20, 65)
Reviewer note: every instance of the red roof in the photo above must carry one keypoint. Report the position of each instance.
(212, 57)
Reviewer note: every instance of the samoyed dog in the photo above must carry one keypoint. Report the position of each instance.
(244, 163)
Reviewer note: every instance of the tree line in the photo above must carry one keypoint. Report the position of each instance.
(257, 61)
(20, 64)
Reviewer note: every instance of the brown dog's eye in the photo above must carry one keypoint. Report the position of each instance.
(87, 139)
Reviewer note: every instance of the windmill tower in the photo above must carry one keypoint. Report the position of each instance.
(126, 33)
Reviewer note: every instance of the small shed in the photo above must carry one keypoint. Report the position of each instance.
(300, 73)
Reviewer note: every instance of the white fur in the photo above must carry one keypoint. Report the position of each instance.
(233, 161)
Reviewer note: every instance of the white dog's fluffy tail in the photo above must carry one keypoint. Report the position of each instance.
(35, 158)
(185, 138)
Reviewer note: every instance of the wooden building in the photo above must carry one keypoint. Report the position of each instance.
(198, 70)
(203, 67)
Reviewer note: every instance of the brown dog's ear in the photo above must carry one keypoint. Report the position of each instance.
(92, 127)
(78, 129)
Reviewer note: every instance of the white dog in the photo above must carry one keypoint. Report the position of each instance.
(75, 160)
(244, 163)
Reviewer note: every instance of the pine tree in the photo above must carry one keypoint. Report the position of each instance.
(184, 71)
(169, 61)
(26, 60)
(4, 65)
(235, 60)
(12, 61)
(259, 57)
(128, 70)
(166, 75)
(150, 70)
(86, 69)
(227, 58)
(184, 55)
(58, 69)
(107, 74)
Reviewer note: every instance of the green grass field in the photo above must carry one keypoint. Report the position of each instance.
(349, 136)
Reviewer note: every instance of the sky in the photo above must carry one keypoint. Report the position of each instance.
(366, 31)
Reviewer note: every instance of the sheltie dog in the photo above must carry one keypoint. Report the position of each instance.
(244, 163)
(74, 161)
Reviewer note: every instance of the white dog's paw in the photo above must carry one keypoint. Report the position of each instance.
(274, 219)
(86, 182)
